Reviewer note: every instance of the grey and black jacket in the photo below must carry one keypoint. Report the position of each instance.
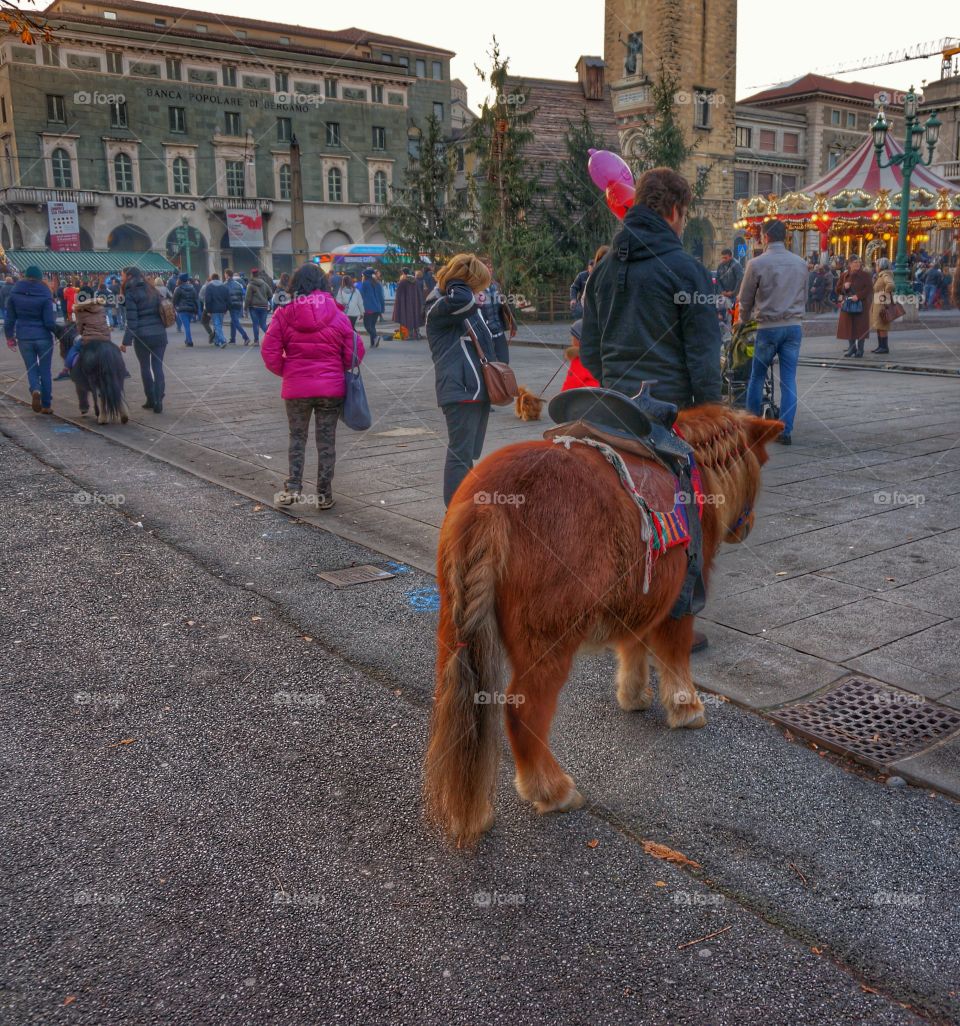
(458, 375)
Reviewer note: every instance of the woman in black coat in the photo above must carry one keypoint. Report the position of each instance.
(146, 332)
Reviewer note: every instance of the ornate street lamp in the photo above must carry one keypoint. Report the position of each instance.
(914, 136)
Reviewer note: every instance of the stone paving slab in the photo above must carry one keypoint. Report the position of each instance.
(937, 767)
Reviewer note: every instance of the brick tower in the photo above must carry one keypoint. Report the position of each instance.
(697, 42)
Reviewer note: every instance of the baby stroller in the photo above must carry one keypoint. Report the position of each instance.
(737, 366)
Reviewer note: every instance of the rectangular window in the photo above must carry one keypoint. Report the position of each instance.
(232, 120)
(421, 68)
(200, 28)
(379, 138)
(51, 55)
(281, 82)
(743, 137)
(174, 69)
(118, 114)
(764, 183)
(768, 139)
(404, 62)
(330, 88)
(376, 93)
(3, 108)
(741, 184)
(851, 119)
(438, 71)
(240, 34)
(833, 158)
(791, 142)
(284, 130)
(461, 159)
(834, 117)
(181, 176)
(333, 133)
(160, 22)
(178, 119)
(387, 58)
(702, 104)
(788, 183)
(235, 181)
(284, 40)
(438, 111)
(115, 62)
(229, 74)
(56, 109)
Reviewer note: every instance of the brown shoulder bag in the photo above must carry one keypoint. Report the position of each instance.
(499, 378)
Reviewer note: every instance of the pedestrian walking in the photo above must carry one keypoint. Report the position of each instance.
(257, 301)
(186, 303)
(855, 293)
(310, 344)
(452, 312)
(932, 281)
(774, 292)
(496, 312)
(28, 323)
(882, 299)
(147, 334)
(374, 304)
(235, 294)
(161, 286)
(408, 304)
(350, 300)
(216, 303)
(578, 289)
(729, 275)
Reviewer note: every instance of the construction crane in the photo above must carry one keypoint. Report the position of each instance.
(948, 48)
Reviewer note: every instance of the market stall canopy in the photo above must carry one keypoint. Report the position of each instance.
(858, 189)
(88, 261)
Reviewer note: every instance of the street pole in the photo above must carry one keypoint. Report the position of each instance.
(185, 230)
(298, 227)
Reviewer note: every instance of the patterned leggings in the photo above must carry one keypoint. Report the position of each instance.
(298, 416)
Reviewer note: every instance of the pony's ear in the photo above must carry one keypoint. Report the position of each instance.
(761, 432)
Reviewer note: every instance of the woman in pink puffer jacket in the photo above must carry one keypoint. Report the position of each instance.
(310, 345)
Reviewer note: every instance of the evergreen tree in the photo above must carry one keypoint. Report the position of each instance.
(579, 218)
(421, 216)
(505, 183)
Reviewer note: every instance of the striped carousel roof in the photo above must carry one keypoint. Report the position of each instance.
(860, 171)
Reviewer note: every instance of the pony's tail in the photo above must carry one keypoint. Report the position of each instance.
(464, 752)
(110, 372)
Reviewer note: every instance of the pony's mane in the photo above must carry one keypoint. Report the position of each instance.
(717, 433)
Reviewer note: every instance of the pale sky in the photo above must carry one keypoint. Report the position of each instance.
(543, 38)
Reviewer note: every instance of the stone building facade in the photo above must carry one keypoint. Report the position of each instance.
(155, 118)
(697, 44)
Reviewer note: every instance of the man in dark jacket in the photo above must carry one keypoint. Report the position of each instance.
(216, 302)
(28, 323)
(187, 304)
(651, 311)
(257, 301)
(496, 311)
(374, 304)
(729, 277)
(235, 290)
(577, 289)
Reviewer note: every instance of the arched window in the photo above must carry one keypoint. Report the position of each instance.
(181, 176)
(62, 170)
(380, 187)
(285, 181)
(123, 172)
(334, 185)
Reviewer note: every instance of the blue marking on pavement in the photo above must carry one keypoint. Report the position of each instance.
(65, 429)
(424, 600)
(398, 568)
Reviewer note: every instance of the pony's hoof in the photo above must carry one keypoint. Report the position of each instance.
(123, 418)
(687, 717)
(572, 801)
(635, 703)
(102, 419)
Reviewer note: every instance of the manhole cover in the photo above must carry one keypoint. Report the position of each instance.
(875, 723)
(355, 575)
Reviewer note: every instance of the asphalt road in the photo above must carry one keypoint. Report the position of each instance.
(210, 798)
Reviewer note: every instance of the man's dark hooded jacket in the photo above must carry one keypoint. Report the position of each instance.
(659, 324)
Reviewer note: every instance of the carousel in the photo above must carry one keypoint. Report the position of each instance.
(855, 207)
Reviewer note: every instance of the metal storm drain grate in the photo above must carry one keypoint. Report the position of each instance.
(355, 575)
(875, 723)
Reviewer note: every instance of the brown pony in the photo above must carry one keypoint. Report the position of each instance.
(541, 553)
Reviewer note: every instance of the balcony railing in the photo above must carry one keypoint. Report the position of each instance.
(373, 210)
(951, 170)
(17, 194)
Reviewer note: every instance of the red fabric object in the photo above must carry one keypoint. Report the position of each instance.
(578, 376)
(310, 344)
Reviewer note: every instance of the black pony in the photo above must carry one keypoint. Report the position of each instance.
(100, 370)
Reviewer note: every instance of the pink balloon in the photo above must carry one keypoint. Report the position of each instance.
(606, 167)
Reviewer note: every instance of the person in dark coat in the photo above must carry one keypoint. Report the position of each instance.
(146, 333)
(216, 303)
(650, 312)
(854, 328)
(496, 311)
(374, 304)
(28, 323)
(408, 304)
(452, 315)
(186, 302)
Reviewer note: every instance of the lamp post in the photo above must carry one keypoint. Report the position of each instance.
(914, 136)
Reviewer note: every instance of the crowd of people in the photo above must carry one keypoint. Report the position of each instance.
(931, 281)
